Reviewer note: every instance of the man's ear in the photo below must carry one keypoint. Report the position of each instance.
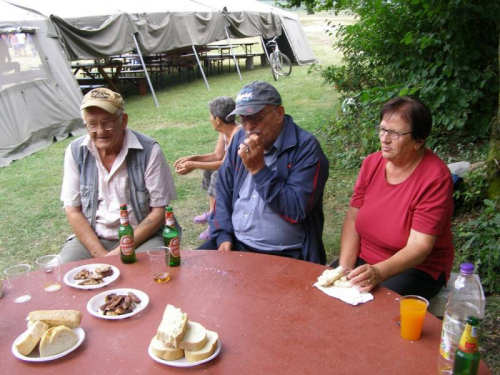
(281, 112)
(124, 119)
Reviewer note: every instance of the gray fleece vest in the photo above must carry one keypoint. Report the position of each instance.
(137, 162)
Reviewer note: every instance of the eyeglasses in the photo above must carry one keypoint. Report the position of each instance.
(393, 134)
(107, 125)
(254, 119)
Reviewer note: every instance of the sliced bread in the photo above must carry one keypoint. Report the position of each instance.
(54, 318)
(195, 337)
(206, 351)
(30, 338)
(165, 352)
(172, 327)
(57, 340)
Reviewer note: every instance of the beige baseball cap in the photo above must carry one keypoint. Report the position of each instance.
(103, 98)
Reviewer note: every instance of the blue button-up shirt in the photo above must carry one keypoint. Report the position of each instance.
(255, 224)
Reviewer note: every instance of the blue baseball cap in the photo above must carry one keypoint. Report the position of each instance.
(254, 97)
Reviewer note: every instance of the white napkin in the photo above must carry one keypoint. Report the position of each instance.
(351, 296)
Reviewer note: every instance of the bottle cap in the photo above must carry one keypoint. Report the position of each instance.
(467, 268)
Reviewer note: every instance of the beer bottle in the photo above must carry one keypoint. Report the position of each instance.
(126, 237)
(467, 354)
(171, 237)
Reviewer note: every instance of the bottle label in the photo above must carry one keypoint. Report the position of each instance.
(175, 246)
(124, 217)
(468, 342)
(127, 245)
(445, 347)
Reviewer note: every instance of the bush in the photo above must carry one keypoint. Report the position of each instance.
(478, 242)
(445, 52)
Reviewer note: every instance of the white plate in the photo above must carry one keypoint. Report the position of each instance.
(93, 306)
(183, 362)
(68, 278)
(34, 356)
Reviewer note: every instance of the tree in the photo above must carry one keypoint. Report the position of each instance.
(494, 154)
(444, 51)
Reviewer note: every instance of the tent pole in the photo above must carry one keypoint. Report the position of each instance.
(264, 48)
(201, 69)
(145, 70)
(232, 53)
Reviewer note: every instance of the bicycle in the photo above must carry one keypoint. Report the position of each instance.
(280, 63)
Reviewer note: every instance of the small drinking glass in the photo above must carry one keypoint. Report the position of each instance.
(159, 263)
(413, 309)
(18, 278)
(50, 265)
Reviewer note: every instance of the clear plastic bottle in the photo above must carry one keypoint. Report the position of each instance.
(465, 300)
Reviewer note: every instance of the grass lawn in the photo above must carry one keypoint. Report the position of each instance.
(32, 221)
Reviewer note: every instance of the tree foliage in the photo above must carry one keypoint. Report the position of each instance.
(444, 51)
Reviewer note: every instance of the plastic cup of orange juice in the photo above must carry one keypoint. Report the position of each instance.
(413, 309)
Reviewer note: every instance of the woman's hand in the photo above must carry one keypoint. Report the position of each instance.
(180, 161)
(365, 277)
(185, 167)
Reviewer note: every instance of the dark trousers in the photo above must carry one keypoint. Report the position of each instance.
(211, 244)
(410, 282)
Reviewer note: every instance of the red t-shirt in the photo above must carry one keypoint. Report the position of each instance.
(387, 213)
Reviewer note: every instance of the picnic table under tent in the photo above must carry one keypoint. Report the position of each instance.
(99, 31)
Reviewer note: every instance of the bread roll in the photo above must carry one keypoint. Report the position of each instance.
(173, 326)
(165, 352)
(328, 277)
(206, 351)
(54, 318)
(195, 337)
(30, 338)
(57, 340)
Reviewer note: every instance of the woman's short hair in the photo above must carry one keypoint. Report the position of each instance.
(416, 113)
(221, 107)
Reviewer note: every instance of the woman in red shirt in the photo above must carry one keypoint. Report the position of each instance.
(397, 229)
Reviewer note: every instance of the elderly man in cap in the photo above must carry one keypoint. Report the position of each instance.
(109, 166)
(270, 186)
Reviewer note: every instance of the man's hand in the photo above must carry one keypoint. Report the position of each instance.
(115, 251)
(251, 152)
(226, 246)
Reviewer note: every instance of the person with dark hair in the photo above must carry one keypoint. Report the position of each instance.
(224, 123)
(271, 183)
(397, 229)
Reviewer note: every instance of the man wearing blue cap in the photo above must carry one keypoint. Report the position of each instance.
(270, 186)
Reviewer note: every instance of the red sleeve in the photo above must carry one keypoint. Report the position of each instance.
(363, 181)
(435, 207)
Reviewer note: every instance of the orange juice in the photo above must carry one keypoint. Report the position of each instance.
(413, 310)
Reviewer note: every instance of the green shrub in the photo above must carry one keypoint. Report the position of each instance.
(478, 242)
(444, 51)
(472, 191)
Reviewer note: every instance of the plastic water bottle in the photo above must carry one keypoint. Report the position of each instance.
(465, 300)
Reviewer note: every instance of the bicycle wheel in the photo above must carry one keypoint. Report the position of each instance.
(285, 65)
(274, 66)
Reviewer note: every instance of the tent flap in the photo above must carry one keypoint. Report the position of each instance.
(96, 37)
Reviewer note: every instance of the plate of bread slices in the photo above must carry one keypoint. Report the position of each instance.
(51, 334)
(91, 276)
(180, 342)
(118, 303)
